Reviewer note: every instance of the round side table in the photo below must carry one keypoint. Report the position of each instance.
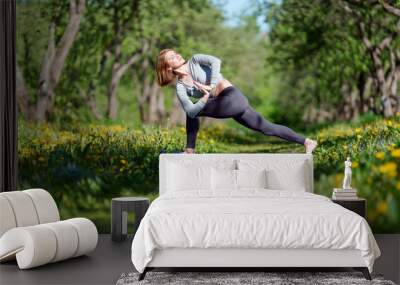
(119, 215)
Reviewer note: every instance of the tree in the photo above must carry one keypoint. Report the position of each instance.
(119, 36)
(52, 63)
(378, 26)
(325, 65)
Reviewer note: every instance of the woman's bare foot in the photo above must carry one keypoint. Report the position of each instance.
(310, 145)
(189, 150)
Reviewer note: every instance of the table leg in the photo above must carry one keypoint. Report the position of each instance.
(116, 221)
(124, 221)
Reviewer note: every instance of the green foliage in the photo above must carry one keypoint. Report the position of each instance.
(374, 148)
(101, 158)
(340, 141)
(31, 37)
(195, 26)
(84, 166)
(316, 50)
(382, 173)
(312, 50)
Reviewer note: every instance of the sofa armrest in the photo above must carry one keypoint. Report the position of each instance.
(44, 243)
(32, 246)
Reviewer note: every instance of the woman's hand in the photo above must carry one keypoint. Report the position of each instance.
(202, 86)
(204, 91)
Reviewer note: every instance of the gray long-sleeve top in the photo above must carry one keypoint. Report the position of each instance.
(204, 69)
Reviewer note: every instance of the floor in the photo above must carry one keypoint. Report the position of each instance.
(111, 259)
(102, 266)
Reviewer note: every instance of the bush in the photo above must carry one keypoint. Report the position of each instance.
(85, 166)
(374, 149)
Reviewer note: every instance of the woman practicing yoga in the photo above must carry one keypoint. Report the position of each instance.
(200, 77)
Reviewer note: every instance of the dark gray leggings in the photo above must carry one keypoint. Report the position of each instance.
(231, 103)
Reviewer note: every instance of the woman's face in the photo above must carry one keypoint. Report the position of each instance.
(174, 59)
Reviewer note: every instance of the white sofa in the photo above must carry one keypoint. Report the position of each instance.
(31, 231)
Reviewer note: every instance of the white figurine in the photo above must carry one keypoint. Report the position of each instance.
(347, 174)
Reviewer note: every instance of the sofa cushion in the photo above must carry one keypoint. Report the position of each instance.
(26, 208)
(24, 211)
(7, 220)
(51, 242)
(45, 205)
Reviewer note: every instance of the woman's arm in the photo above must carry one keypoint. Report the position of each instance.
(190, 108)
(212, 61)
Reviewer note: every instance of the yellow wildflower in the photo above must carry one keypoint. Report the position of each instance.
(123, 161)
(117, 128)
(380, 155)
(338, 178)
(389, 169)
(396, 152)
(382, 207)
(358, 130)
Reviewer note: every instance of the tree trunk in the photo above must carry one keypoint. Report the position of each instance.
(375, 52)
(112, 94)
(153, 103)
(90, 101)
(176, 114)
(150, 98)
(44, 78)
(118, 71)
(394, 76)
(156, 108)
(160, 104)
(89, 97)
(367, 93)
(145, 92)
(345, 106)
(54, 59)
(382, 85)
(354, 103)
(140, 97)
(365, 25)
(24, 102)
(361, 85)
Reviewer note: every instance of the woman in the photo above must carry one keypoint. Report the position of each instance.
(200, 77)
